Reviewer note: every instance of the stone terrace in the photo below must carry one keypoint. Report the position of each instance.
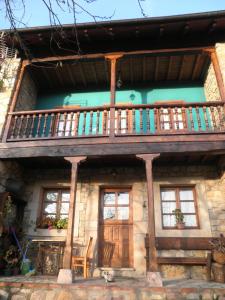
(46, 288)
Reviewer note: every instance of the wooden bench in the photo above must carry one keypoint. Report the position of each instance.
(192, 261)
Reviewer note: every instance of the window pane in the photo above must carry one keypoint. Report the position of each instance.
(64, 208)
(168, 207)
(186, 195)
(190, 220)
(123, 213)
(169, 221)
(51, 196)
(123, 198)
(65, 196)
(187, 207)
(168, 195)
(109, 198)
(50, 208)
(109, 213)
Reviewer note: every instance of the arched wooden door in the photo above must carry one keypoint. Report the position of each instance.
(115, 228)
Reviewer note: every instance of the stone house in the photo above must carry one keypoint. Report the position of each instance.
(117, 137)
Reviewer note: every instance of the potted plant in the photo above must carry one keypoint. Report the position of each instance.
(218, 246)
(179, 218)
(61, 223)
(12, 259)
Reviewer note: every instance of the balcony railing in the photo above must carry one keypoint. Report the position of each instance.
(128, 120)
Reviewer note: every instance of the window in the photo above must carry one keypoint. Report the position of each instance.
(55, 203)
(182, 198)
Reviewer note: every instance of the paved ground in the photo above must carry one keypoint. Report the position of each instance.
(119, 282)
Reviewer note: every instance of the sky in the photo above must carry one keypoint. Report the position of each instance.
(36, 13)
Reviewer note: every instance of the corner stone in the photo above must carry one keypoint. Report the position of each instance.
(65, 276)
(154, 279)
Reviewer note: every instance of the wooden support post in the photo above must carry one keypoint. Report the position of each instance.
(218, 73)
(113, 60)
(67, 258)
(148, 159)
(14, 99)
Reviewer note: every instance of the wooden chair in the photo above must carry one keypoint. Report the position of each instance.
(83, 261)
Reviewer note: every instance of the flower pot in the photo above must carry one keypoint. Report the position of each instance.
(219, 257)
(180, 225)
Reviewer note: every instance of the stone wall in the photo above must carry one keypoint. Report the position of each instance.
(9, 169)
(211, 86)
(210, 187)
(8, 72)
(27, 95)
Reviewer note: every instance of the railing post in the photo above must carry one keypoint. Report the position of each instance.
(113, 59)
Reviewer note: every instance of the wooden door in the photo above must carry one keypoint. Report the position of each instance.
(115, 230)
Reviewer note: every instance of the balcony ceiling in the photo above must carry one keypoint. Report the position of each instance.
(134, 70)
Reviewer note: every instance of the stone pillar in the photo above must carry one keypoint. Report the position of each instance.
(153, 276)
(65, 274)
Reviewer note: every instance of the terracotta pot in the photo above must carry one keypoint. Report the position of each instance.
(219, 257)
(180, 225)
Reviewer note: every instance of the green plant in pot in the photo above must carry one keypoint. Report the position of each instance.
(218, 247)
(12, 259)
(179, 216)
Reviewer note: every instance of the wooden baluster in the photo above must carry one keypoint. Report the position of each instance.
(52, 126)
(76, 128)
(191, 119)
(45, 125)
(148, 127)
(141, 120)
(156, 120)
(20, 129)
(32, 126)
(13, 132)
(97, 121)
(133, 121)
(162, 118)
(91, 122)
(206, 118)
(221, 117)
(172, 119)
(176, 123)
(213, 117)
(39, 125)
(184, 118)
(198, 118)
(57, 122)
(105, 123)
(84, 123)
(64, 123)
(71, 124)
(119, 127)
(127, 121)
(26, 127)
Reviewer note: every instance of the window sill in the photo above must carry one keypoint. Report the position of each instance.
(51, 232)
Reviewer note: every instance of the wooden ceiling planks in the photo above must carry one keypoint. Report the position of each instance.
(134, 70)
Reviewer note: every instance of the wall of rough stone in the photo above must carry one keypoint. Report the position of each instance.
(210, 186)
(27, 95)
(8, 72)
(9, 170)
(211, 86)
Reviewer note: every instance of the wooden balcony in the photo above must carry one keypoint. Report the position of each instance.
(117, 121)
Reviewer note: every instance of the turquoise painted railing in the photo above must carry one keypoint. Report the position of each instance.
(128, 120)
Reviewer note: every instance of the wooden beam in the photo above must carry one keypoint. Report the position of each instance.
(82, 75)
(148, 159)
(218, 74)
(156, 68)
(181, 68)
(169, 67)
(67, 257)
(196, 67)
(102, 55)
(113, 59)
(12, 106)
(95, 73)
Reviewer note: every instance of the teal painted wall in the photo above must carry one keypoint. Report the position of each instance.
(135, 96)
